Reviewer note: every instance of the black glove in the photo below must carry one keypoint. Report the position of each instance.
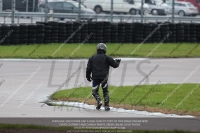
(89, 79)
(118, 60)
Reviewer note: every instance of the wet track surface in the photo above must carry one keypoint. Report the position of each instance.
(25, 84)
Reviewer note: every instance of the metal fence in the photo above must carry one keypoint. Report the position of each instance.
(14, 10)
(98, 17)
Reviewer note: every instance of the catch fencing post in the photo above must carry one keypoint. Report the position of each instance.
(13, 12)
(142, 8)
(111, 14)
(27, 5)
(45, 20)
(172, 11)
(79, 10)
(1, 5)
(33, 5)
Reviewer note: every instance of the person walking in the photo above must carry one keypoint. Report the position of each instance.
(98, 65)
(41, 6)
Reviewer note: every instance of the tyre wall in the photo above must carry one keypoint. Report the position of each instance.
(96, 32)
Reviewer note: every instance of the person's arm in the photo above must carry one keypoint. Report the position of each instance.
(113, 63)
(89, 69)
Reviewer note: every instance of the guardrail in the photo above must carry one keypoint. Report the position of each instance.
(122, 18)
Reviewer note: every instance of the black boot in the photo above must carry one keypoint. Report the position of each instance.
(98, 99)
(99, 103)
(106, 96)
(107, 108)
(106, 104)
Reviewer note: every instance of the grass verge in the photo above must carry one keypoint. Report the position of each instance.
(78, 50)
(21, 126)
(16, 128)
(182, 99)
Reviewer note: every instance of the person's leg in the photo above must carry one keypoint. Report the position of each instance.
(95, 93)
(104, 86)
(42, 9)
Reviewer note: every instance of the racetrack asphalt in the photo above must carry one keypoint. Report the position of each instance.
(26, 83)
